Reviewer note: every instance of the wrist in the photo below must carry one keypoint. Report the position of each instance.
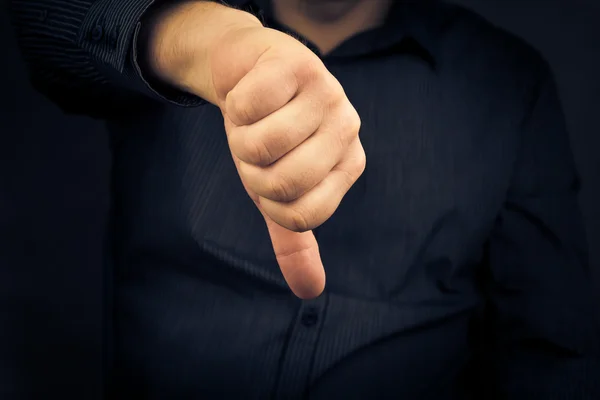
(179, 39)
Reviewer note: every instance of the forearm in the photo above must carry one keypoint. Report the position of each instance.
(178, 39)
(84, 55)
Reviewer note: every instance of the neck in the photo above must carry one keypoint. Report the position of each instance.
(327, 23)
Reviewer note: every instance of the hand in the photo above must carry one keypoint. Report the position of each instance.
(293, 136)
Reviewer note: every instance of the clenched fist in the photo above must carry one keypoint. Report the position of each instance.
(292, 132)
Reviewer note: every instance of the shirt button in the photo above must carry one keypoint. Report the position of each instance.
(310, 317)
(97, 33)
(42, 15)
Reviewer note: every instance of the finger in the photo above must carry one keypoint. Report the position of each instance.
(269, 139)
(265, 89)
(317, 205)
(299, 260)
(297, 253)
(308, 164)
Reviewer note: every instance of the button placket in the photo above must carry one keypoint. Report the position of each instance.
(97, 33)
(43, 15)
(310, 316)
(297, 360)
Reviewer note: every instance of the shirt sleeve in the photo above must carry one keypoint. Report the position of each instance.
(543, 320)
(82, 54)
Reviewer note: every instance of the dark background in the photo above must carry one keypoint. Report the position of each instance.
(54, 199)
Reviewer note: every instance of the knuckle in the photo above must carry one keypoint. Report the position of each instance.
(349, 126)
(281, 188)
(360, 161)
(312, 70)
(349, 178)
(355, 168)
(352, 174)
(361, 164)
(241, 107)
(309, 68)
(332, 90)
(351, 119)
(257, 152)
(299, 219)
(277, 141)
(355, 122)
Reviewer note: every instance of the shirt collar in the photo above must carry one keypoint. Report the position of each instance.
(419, 21)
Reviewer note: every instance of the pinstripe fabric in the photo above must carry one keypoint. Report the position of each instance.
(455, 265)
(84, 48)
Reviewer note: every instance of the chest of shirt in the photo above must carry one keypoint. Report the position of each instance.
(438, 165)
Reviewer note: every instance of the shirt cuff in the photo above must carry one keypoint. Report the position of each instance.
(109, 33)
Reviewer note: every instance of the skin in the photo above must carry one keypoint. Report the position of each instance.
(327, 23)
(292, 132)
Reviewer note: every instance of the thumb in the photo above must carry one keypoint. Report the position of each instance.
(298, 257)
(297, 253)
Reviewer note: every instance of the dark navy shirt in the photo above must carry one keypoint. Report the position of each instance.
(456, 265)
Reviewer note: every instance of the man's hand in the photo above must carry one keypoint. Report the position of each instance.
(291, 130)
